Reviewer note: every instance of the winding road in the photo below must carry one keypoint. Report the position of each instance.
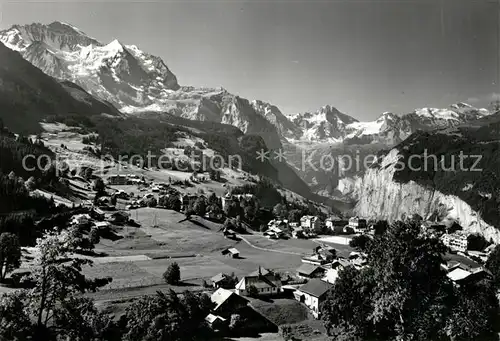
(266, 249)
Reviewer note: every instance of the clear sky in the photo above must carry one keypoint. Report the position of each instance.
(363, 57)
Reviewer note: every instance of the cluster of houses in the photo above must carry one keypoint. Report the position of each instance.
(309, 285)
(128, 179)
(314, 278)
(308, 225)
(99, 219)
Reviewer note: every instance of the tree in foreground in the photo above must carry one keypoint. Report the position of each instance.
(10, 254)
(493, 264)
(173, 274)
(404, 295)
(361, 242)
(167, 317)
(252, 291)
(15, 323)
(475, 313)
(53, 302)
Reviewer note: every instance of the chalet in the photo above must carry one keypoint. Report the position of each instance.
(227, 302)
(321, 255)
(274, 232)
(102, 225)
(265, 282)
(308, 271)
(358, 259)
(298, 232)
(332, 222)
(228, 233)
(278, 223)
(450, 265)
(358, 225)
(272, 235)
(80, 219)
(313, 294)
(120, 217)
(117, 180)
(340, 264)
(216, 322)
(461, 276)
(214, 215)
(220, 281)
(231, 252)
(310, 222)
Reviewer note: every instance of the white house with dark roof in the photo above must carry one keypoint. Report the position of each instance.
(310, 222)
(312, 294)
(265, 282)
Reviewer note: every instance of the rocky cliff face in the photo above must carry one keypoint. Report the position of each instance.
(378, 196)
(273, 114)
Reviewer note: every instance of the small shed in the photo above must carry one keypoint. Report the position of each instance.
(231, 252)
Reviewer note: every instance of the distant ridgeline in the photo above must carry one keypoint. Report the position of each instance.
(477, 182)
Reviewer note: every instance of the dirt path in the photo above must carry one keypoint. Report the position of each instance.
(266, 249)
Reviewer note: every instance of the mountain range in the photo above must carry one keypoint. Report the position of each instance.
(57, 69)
(27, 95)
(136, 82)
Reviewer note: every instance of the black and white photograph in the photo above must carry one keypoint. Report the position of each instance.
(250, 170)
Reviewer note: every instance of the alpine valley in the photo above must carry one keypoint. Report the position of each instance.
(93, 78)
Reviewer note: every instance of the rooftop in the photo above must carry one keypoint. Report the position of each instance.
(211, 318)
(263, 272)
(222, 295)
(458, 274)
(307, 268)
(316, 287)
(218, 277)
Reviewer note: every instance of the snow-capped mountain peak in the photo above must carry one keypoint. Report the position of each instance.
(433, 113)
(114, 47)
(135, 82)
(123, 75)
(57, 35)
